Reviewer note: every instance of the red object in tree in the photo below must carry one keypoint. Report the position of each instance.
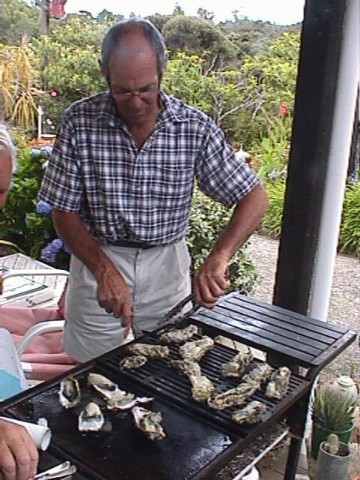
(57, 9)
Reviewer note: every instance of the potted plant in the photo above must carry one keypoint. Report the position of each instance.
(333, 411)
(333, 460)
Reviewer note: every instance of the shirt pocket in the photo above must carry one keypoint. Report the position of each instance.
(171, 186)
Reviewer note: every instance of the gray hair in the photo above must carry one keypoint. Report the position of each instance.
(6, 144)
(117, 31)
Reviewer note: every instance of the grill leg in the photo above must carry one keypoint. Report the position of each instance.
(293, 458)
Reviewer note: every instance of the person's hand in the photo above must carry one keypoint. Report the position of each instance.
(114, 296)
(211, 281)
(61, 302)
(18, 454)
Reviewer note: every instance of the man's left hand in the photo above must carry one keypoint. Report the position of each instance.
(211, 281)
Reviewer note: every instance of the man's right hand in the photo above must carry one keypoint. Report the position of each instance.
(18, 454)
(114, 296)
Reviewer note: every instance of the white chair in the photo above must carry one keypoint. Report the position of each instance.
(23, 314)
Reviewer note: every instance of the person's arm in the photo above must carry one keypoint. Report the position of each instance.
(113, 294)
(18, 454)
(211, 280)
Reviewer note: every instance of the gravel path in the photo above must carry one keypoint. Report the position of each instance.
(345, 295)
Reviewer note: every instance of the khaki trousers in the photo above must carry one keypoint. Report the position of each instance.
(158, 279)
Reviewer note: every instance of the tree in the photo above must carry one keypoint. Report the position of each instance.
(17, 21)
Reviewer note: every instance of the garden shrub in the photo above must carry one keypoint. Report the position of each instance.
(207, 220)
(349, 240)
(271, 221)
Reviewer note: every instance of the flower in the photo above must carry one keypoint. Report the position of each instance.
(43, 207)
(283, 110)
(49, 252)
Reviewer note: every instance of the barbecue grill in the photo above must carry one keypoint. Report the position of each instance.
(200, 440)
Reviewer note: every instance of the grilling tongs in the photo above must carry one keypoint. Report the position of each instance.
(177, 309)
(60, 471)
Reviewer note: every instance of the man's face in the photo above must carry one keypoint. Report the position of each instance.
(5, 175)
(134, 81)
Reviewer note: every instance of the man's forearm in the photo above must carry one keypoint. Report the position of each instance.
(243, 222)
(71, 229)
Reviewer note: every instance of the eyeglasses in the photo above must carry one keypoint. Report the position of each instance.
(144, 93)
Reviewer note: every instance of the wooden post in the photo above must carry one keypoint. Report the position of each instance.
(45, 17)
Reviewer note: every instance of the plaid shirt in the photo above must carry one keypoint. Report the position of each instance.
(122, 192)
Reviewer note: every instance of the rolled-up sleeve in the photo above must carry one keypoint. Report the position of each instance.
(220, 174)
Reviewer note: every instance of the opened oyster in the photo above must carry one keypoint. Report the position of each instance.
(103, 385)
(91, 418)
(234, 396)
(196, 350)
(136, 361)
(202, 387)
(149, 422)
(237, 365)
(278, 384)
(180, 335)
(251, 413)
(152, 351)
(187, 367)
(259, 374)
(69, 393)
(125, 401)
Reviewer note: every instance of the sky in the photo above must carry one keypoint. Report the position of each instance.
(282, 12)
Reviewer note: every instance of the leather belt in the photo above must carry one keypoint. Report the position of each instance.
(131, 244)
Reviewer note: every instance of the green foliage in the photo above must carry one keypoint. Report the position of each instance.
(19, 222)
(18, 20)
(207, 220)
(332, 410)
(271, 221)
(350, 225)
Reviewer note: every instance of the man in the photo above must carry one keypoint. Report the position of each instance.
(18, 453)
(120, 182)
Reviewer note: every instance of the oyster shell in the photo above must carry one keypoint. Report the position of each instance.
(202, 387)
(259, 374)
(179, 335)
(187, 367)
(278, 384)
(103, 385)
(152, 351)
(125, 401)
(69, 393)
(196, 350)
(237, 365)
(135, 361)
(149, 422)
(234, 396)
(251, 413)
(91, 418)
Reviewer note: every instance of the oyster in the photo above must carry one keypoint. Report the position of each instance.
(69, 393)
(202, 387)
(125, 401)
(91, 418)
(149, 422)
(103, 385)
(133, 362)
(278, 384)
(259, 374)
(152, 351)
(196, 350)
(237, 365)
(251, 413)
(187, 367)
(234, 396)
(180, 335)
